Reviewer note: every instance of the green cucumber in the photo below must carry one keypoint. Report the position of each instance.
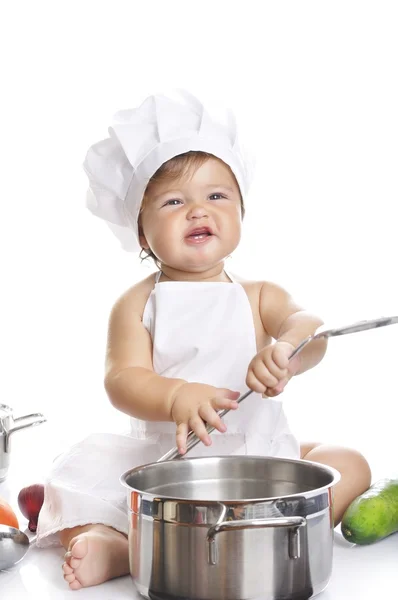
(374, 515)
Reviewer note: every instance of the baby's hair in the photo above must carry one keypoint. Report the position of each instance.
(173, 170)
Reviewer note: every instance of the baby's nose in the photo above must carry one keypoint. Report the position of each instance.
(197, 211)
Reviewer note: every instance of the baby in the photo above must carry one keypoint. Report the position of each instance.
(185, 342)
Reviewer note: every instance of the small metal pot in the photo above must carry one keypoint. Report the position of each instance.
(230, 528)
(8, 426)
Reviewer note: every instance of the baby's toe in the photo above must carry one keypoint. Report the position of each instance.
(75, 562)
(75, 585)
(67, 569)
(69, 578)
(78, 549)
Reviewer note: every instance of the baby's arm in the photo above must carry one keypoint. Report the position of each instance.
(131, 384)
(286, 321)
(288, 324)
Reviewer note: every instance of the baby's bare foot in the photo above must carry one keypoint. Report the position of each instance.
(95, 556)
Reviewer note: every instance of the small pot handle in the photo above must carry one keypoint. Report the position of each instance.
(33, 419)
(294, 523)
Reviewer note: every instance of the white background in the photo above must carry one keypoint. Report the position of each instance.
(314, 85)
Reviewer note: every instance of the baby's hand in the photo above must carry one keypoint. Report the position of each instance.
(196, 404)
(270, 369)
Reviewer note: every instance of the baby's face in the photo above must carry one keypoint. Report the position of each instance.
(194, 223)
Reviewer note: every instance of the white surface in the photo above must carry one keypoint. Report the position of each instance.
(365, 573)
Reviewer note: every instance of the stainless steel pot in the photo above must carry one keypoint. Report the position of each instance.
(8, 426)
(230, 528)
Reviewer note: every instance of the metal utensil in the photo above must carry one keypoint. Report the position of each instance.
(8, 426)
(231, 527)
(14, 544)
(360, 326)
(193, 440)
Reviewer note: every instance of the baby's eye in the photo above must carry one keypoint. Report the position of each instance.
(172, 202)
(216, 196)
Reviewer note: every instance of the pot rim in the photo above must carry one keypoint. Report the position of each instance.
(308, 494)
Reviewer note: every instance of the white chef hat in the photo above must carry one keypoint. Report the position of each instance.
(141, 140)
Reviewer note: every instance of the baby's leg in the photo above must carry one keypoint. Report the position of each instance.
(95, 553)
(353, 467)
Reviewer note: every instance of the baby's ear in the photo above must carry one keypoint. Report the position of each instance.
(143, 243)
(142, 239)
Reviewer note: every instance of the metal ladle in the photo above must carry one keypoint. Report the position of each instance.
(14, 544)
(192, 438)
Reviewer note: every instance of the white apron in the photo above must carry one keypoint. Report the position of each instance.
(201, 332)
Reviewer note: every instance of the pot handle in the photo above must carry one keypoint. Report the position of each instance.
(294, 523)
(33, 419)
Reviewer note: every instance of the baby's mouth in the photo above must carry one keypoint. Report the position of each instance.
(200, 233)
